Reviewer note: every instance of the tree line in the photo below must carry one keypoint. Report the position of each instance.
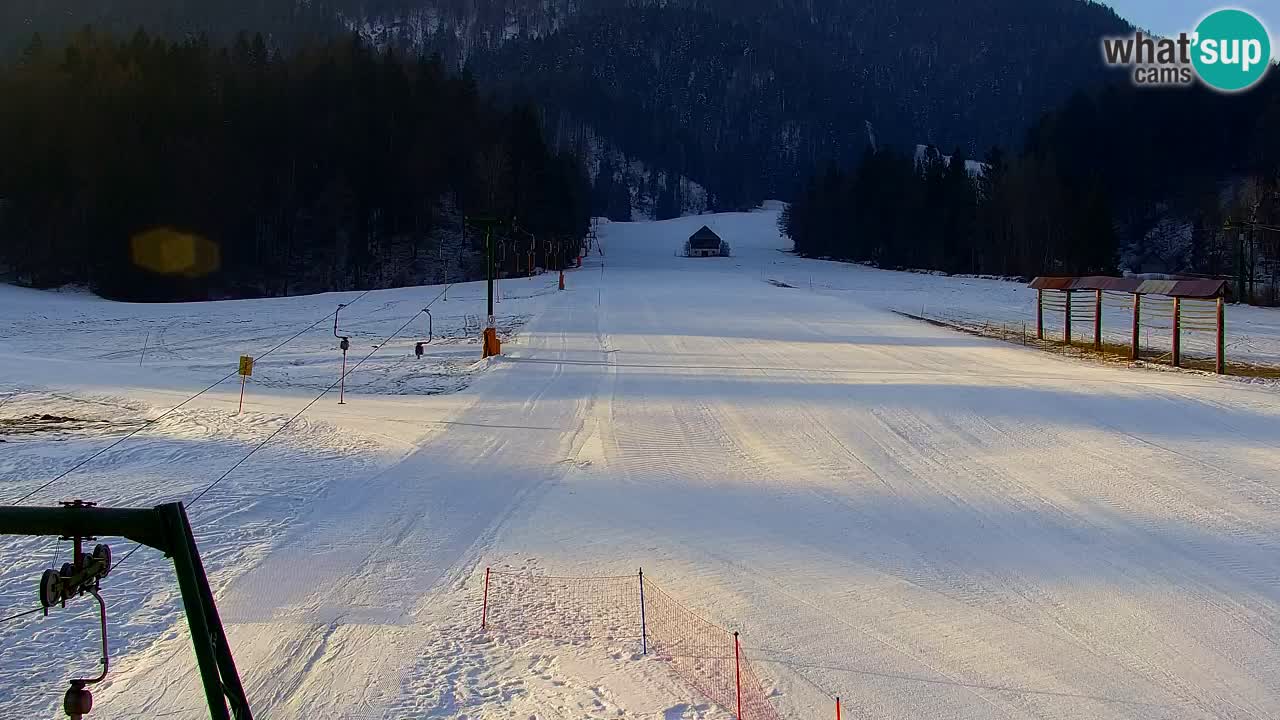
(331, 166)
(746, 97)
(742, 97)
(1176, 180)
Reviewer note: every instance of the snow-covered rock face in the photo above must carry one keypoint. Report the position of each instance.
(461, 28)
(1166, 248)
(927, 523)
(973, 167)
(646, 185)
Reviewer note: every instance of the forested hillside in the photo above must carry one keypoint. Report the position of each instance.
(328, 166)
(749, 98)
(1136, 179)
(746, 98)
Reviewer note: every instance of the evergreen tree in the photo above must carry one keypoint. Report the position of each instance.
(325, 168)
(1071, 197)
(669, 201)
(959, 216)
(619, 209)
(602, 191)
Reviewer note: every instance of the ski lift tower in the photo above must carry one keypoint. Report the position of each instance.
(490, 338)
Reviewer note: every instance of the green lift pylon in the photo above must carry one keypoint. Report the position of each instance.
(490, 344)
(165, 528)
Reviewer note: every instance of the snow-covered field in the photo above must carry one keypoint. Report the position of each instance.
(926, 523)
(1253, 333)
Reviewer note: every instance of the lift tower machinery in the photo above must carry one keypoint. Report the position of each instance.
(164, 528)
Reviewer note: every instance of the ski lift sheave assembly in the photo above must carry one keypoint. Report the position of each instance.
(83, 575)
(164, 528)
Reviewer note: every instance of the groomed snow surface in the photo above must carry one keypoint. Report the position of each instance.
(927, 523)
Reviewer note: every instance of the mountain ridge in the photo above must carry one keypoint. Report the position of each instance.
(746, 98)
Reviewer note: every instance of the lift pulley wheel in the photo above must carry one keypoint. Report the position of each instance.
(73, 578)
(164, 528)
(50, 588)
(102, 553)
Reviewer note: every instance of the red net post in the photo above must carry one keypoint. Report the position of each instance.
(606, 609)
(484, 608)
(704, 655)
(837, 707)
(644, 636)
(737, 672)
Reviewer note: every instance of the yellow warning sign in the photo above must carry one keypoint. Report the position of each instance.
(246, 365)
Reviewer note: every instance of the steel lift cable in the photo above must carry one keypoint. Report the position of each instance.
(168, 412)
(314, 400)
(295, 416)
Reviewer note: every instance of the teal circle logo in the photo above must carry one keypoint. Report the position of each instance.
(1232, 50)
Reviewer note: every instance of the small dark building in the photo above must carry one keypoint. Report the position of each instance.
(705, 243)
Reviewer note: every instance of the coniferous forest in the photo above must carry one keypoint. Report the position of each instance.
(743, 97)
(1121, 178)
(319, 158)
(329, 166)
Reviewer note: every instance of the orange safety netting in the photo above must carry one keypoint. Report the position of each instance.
(605, 608)
(705, 655)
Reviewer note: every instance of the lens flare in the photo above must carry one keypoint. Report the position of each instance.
(169, 252)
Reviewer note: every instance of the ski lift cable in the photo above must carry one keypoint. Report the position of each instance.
(21, 614)
(290, 421)
(34, 610)
(276, 432)
(168, 412)
(138, 546)
(316, 399)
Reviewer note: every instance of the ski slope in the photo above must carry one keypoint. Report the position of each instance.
(926, 523)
